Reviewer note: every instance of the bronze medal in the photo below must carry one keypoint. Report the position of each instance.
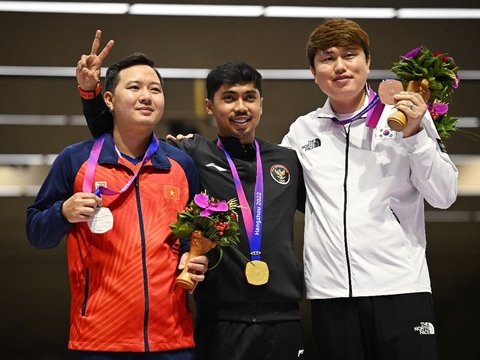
(388, 89)
(256, 272)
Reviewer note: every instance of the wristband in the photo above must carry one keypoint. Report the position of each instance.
(89, 94)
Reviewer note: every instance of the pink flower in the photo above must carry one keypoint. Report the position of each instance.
(413, 53)
(455, 83)
(437, 109)
(209, 206)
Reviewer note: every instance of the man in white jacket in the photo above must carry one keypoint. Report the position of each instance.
(365, 266)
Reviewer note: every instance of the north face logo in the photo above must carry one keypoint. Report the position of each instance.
(425, 328)
(312, 144)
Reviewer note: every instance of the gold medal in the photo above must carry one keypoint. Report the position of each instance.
(256, 272)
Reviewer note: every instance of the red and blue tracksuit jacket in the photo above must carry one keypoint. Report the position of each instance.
(123, 293)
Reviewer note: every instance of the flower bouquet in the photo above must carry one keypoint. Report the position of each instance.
(208, 222)
(434, 76)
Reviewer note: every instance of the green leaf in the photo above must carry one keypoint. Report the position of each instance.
(183, 230)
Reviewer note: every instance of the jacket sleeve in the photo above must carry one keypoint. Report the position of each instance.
(194, 188)
(301, 192)
(286, 142)
(188, 146)
(99, 119)
(45, 224)
(193, 179)
(432, 172)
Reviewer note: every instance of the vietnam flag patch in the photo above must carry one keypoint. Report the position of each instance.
(171, 192)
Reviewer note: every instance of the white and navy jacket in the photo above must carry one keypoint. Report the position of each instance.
(364, 216)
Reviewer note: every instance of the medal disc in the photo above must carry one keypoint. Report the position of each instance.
(256, 272)
(101, 221)
(388, 89)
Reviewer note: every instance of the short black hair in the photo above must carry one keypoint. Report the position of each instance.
(231, 73)
(111, 80)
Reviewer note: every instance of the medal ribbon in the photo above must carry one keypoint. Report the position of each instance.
(373, 109)
(93, 160)
(254, 229)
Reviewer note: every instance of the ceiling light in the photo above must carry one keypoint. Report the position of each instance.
(196, 10)
(64, 7)
(54, 71)
(199, 73)
(423, 13)
(329, 12)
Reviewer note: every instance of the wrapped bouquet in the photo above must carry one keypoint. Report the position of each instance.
(435, 76)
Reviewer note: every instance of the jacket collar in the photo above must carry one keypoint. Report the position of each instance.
(109, 154)
(238, 150)
(327, 112)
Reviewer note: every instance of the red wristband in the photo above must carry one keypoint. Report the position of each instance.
(90, 94)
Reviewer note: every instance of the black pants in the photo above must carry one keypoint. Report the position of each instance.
(225, 340)
(395, 327)
(181, 354)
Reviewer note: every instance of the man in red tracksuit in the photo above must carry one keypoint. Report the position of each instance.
(114, 197)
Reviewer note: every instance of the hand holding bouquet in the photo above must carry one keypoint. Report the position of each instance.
(434, 75)
(208, 222)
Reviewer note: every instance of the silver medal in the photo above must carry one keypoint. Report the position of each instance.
(101, 221)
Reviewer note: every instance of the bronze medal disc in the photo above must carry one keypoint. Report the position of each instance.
(388, 89)
(256, 272)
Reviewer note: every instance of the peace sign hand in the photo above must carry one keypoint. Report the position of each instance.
(89, 66)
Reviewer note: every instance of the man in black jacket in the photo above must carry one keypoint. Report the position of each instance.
(245, 309)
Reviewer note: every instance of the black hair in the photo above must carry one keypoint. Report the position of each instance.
(231, 73)
(111, 80)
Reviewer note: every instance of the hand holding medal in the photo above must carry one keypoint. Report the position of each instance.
(387, 91)
(81, 207)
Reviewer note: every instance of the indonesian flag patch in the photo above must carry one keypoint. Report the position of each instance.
(280, 174)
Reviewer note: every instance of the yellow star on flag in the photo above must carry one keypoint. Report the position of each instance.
(171, 192)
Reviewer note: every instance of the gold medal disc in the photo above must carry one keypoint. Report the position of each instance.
(256, 272)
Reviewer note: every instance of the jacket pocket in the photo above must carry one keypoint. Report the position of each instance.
(85, 296)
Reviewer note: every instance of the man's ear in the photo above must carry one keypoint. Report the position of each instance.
(312, 70)
(108, 98)
(209, 106)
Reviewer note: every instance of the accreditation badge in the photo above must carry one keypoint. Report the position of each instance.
(101, 221)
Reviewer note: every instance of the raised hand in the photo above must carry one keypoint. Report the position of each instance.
(413, 106)
(89, 66)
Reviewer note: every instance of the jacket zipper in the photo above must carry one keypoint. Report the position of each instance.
(347, 256)
(144, 266)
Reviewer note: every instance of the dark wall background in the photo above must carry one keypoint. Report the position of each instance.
(34, 296)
